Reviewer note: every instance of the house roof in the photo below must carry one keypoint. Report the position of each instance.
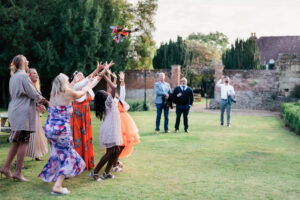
(271, 47)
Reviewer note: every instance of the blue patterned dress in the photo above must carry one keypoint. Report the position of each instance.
(63, 159)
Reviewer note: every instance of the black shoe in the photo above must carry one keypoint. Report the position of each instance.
(221, 124)
(106, 176)
(186, 131)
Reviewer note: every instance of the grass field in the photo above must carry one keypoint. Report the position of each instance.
(257, 158)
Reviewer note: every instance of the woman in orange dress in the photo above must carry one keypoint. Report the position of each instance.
(81, 122)
(129, 129)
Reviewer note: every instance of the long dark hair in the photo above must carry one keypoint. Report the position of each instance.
(100, 99)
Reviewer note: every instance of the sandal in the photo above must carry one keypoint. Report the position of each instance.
(107, 176)
(95, 176)
(63, 192)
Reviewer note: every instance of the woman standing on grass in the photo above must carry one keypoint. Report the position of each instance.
(38, 146)
(81, 123)
(21, 115)
(64, 161)
(106, 107)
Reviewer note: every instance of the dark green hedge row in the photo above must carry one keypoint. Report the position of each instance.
(291, 115)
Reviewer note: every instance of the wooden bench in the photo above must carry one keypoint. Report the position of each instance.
(3, 127)
(197, 97)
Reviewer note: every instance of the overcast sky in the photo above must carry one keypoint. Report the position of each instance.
(235, 18)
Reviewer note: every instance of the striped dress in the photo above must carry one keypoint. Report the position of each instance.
(38, 145)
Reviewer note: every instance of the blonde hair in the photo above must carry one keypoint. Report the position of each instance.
(37, 84)
(15, 64)
(59, 84)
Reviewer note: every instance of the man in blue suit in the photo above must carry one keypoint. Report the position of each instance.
(183, 96)
(162, 90)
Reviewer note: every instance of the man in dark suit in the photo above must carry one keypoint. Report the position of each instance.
(183, 97)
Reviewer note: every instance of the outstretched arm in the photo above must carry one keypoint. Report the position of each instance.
(112, 86)
(97, 70)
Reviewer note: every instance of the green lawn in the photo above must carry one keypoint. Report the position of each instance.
(257, 158)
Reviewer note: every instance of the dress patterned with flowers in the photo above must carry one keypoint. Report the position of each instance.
(63, 159)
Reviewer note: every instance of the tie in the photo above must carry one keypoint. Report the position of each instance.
(183, 88)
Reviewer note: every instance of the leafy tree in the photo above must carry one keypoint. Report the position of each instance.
(217, 39)
(242, 55)
(61, 36)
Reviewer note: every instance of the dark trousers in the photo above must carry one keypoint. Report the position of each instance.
(159, 108)
(179, 110)
(110, 157)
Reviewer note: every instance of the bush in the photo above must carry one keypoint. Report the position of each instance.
(296, 92)
(291, 115)
(138, 106)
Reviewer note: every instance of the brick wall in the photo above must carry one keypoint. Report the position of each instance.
(262, 89)
(135, 82)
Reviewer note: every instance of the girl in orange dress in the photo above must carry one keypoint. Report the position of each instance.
(129, 129)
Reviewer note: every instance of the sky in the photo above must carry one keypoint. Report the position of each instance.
(234, 18)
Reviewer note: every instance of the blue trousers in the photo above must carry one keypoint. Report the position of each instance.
(179, 110)
(225, 105)
(159, 108)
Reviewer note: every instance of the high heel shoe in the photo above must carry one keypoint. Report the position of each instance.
(7, 174)
(21, 179)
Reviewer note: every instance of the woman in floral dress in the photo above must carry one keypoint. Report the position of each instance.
(64, 161)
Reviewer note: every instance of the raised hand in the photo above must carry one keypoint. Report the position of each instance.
(121, 76)
(114, 75)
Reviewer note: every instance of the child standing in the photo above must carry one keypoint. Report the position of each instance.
(106, 107)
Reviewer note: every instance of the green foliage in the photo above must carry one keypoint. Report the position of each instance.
(172, 53)
(143, 45)
(242, 55)
(62, 36)
(217, 39)
(296, 92)
(291, 115)
(138, 106)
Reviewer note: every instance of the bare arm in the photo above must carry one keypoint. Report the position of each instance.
(97, 70)
(111, 85)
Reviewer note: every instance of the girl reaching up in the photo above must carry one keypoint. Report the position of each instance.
(129, 129)
(106, 107)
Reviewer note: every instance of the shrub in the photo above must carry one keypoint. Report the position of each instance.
(291, 115)
(138, 106)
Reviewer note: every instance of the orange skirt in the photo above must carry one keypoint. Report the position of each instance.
(82, 131)
(129, 131)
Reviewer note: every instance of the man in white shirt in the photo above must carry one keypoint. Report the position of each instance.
(227, 92)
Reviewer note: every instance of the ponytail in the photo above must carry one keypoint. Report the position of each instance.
(15, 64)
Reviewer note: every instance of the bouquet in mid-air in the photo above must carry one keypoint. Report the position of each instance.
(120, 32)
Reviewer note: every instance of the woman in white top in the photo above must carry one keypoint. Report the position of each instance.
(81, 123)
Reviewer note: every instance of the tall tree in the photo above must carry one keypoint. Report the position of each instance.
(242, 55)
(143, 46)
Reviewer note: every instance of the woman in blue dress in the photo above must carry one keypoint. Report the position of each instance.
(64, 161)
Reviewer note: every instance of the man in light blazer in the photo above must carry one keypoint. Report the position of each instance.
(162, 90)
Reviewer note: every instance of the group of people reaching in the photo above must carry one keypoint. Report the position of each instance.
(68, 127)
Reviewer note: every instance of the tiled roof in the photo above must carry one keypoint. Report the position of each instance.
(270, 47)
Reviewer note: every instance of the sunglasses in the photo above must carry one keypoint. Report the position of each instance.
(73, 75)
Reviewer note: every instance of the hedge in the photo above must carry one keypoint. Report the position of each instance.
(291, 115)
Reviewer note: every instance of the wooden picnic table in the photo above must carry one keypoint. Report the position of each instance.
(4, 128)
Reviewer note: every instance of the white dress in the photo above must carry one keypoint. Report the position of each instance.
(110, 130)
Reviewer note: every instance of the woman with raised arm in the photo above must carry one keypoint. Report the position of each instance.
(64, 161)
(38, 146)
(21, 115)
(81, 123)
